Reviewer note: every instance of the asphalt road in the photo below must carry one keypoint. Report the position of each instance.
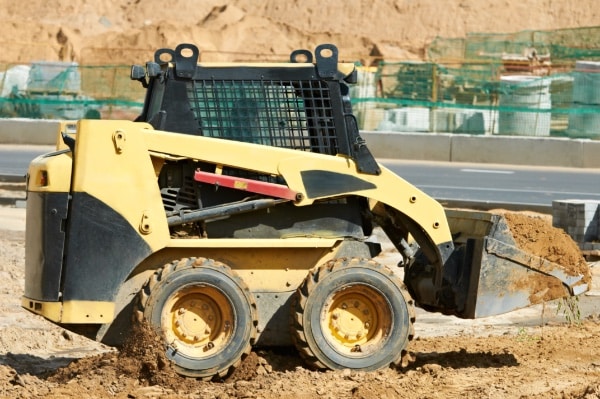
(14, 159)
(491, 185)
(527, 187)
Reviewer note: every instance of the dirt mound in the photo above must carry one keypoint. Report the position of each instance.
(109, 31)
(142, 359)
(537, 236)
(142, 364)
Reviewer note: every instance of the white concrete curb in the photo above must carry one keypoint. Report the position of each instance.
(515, 150)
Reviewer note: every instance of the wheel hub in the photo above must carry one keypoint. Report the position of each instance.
(198, 320)
(352, 320)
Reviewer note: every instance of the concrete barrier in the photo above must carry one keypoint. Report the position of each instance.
(517, 150)
(28, 131)
(445, 147)
(591, 154)
(415, 146)
(514, 150)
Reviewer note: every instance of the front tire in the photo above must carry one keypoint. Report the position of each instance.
(352, 313)
(206, 314)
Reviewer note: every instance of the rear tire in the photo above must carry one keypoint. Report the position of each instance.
(206, 314)
(352, 313)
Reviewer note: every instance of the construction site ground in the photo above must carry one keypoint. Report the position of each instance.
(539, 352)
(536, 352)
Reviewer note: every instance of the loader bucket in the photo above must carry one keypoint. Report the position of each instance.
(504, 275)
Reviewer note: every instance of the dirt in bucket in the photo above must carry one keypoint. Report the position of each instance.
(536, 235)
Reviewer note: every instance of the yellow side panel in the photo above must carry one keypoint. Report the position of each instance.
(50, 174)
(113, 165)
(388, 188)
(50, 310)
(80, 312)
(273, 265)
(87, 312)
(282, 277)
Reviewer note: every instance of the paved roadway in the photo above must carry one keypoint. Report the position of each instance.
(528, 187)
(523, 186)
(14, 159)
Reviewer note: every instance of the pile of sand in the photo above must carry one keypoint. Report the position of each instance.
(93, 32)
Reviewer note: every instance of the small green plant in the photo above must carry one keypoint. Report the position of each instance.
(570, 309)
(523, 335)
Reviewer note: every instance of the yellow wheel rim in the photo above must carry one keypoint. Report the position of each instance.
(356, 319)
(198, 321)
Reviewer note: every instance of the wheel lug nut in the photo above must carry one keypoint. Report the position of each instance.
(367, 324)
(356, 304)
(181, 311)
(344, 306)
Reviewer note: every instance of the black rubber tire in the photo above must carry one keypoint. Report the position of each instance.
(319, 339)
(197, 274)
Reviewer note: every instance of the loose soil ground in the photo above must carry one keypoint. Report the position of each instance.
(531, 353)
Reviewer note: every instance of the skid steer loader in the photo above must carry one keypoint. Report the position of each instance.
(235, 211)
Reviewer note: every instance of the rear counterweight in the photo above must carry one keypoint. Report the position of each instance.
(46, 213)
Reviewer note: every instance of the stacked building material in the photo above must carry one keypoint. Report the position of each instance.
(580, 219)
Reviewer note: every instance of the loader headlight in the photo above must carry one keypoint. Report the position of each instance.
(43, 178)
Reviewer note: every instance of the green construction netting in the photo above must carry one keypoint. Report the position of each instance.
(563, 45)
(65, 90)
(528, 83)
(537, 83)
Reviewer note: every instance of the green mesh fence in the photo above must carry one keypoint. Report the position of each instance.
(63, 90)
(536, 83)
(563, 45)
(529, 83)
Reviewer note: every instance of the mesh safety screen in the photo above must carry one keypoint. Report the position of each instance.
(287, 114)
